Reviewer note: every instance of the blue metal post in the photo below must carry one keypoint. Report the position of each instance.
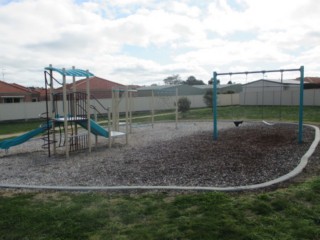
(301, 104)
(214, 106)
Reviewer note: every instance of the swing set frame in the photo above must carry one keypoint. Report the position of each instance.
(214, 96)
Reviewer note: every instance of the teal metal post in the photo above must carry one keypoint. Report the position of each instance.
(214, 107)
(301, 104)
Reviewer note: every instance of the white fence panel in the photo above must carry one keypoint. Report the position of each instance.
(228, 99)
(287, 98)
(312, 97)
(25, 110)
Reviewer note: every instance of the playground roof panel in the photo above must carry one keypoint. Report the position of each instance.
(71, 72)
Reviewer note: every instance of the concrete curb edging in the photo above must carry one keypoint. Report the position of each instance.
(297, 170)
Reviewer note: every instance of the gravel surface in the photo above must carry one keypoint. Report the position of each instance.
(187, 156)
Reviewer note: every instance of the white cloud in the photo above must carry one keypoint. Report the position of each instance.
(184, 9)
(222, 19)
(199, 37)
(129, 2)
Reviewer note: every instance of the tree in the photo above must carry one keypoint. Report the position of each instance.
(230, 82)
(173, 80)
(191, 80)
(211, 81)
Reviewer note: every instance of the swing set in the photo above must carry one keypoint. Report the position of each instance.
(238, 122)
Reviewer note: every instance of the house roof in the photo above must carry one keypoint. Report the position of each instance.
(28, 89)
(96, 83)
(218, 86)
(202, 86)
(313, 80)
(14, 88)
(162, 87)
(286, 81)
(183, 89)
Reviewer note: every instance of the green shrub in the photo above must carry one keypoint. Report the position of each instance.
(184, 104)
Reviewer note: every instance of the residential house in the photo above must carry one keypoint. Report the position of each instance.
(15, 93)
(311, 82)
(99, 87)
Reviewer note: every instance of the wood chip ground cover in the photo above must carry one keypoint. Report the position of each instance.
(250, 154)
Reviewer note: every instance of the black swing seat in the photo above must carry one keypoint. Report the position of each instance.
(237, 123)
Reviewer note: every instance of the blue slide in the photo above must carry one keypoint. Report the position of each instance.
(6, 144)
(96, 129)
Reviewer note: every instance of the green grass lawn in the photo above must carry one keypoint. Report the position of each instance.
(291, 213)
(19, 126)
(288, 213)
(311, 115)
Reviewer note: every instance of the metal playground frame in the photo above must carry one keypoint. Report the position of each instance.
(214, 96)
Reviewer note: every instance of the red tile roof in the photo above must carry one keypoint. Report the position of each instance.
(13, 88)
(96, 83)
(27, 89)
(314, 80)
(98, 87)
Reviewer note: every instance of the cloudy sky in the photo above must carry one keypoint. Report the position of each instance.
(144, 41)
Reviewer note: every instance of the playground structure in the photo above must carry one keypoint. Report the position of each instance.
(118, 93)
(237, 122)
(69, 109)
(6, 144)
(69, 112)
(71, 115)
